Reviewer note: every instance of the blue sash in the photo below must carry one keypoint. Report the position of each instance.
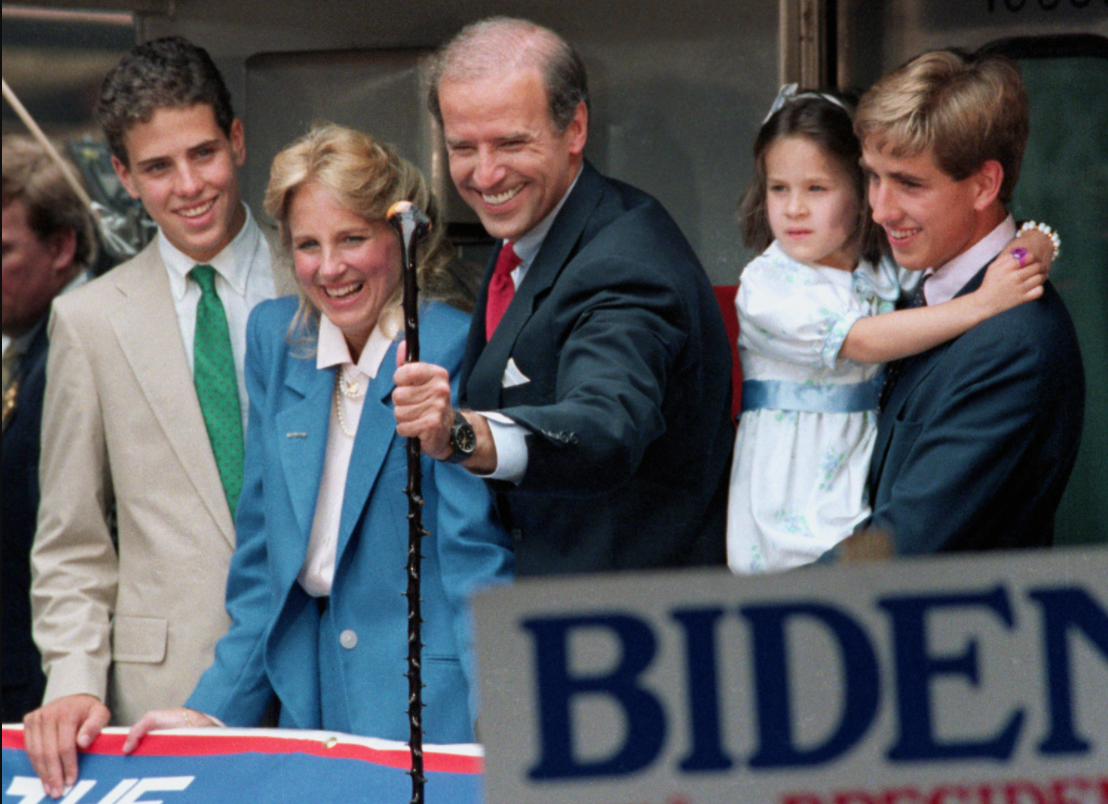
(781, 395)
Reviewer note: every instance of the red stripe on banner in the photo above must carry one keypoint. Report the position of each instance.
(180, 745)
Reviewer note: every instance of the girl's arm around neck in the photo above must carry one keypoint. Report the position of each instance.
(901, 333)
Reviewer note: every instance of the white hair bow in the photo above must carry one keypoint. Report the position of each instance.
(788, 93)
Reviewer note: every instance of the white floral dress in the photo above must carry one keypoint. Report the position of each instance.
(808, 425)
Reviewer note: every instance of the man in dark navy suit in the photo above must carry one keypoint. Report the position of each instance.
(596, 380)
(977, 437)
(48, 242)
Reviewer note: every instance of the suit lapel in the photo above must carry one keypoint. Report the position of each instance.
(31, 365)
(913, 372)
(475, 340)
(483, 385)
(917, 367)
(302, 456)
(148, 335)
(376, 431)
(35, 356)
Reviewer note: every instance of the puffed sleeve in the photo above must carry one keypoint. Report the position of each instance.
(793, 313)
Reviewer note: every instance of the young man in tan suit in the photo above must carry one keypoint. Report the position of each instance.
(144, 415)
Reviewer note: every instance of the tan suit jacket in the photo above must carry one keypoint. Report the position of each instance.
(134, 625)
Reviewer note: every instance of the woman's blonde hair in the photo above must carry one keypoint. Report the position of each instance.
(367, 177)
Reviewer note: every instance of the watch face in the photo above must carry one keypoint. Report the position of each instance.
(467, 439)
(462, 437)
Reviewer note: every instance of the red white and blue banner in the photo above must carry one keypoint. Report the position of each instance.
(249, 766)
(976, 679)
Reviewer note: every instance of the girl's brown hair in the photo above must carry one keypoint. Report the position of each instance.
(829, 127)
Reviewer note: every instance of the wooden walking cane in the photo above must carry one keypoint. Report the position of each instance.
(411, 225)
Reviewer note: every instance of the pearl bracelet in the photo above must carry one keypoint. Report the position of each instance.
(1055, 240)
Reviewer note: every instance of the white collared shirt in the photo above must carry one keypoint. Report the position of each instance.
(510, 438)
(527, 247)
(318, 572)
(243, 277)
(20, 343)
(944, 282)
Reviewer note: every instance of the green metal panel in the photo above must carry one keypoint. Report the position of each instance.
(1064, 181)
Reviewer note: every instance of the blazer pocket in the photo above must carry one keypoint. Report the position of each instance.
(139, 639)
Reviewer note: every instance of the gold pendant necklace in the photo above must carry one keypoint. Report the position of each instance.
(351, 389)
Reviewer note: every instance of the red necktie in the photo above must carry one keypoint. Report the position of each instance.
(501, 288)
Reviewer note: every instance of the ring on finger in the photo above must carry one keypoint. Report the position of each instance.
(1020, 254)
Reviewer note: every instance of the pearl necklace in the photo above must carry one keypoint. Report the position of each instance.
(349, 389)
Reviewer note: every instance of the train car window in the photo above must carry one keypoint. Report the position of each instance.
(379, 91)
(1064, 180)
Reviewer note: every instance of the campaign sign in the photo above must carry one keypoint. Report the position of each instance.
(946, 680)
(234, 766)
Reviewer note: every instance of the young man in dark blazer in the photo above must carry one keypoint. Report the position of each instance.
(977, 437)
(48, 245)
(597, 372)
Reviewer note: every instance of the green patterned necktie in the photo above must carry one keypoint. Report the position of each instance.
(217, 386)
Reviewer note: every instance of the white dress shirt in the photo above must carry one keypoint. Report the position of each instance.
(510, 438)
(243, 277)
(944, 282)
(318, 572)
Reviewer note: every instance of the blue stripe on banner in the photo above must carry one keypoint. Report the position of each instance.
(247, 776)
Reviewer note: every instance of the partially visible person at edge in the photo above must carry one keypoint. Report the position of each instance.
(49, 247)
(315, 592)
(976, 437)
(143, 416)
(596, 381)
(816, 321)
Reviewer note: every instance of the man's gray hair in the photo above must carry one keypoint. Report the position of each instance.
(499, 44)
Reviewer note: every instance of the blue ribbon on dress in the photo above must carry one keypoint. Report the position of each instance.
(781, 395)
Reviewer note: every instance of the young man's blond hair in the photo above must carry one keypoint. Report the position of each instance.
(962, 109)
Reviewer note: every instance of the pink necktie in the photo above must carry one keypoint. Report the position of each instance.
(501, 288)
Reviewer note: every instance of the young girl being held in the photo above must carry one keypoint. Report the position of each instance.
(816, 321)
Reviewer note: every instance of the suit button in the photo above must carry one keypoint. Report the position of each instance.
(348, 639)
(573, 438)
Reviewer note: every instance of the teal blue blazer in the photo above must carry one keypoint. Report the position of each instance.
(343, 669)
